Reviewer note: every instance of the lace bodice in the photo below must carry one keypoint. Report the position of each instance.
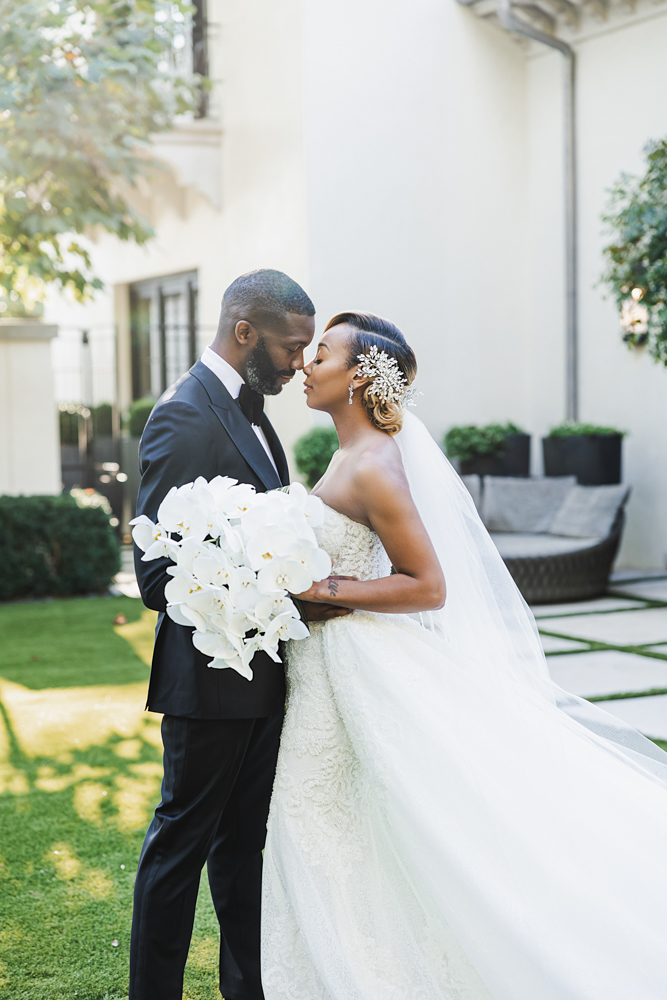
(355, 550)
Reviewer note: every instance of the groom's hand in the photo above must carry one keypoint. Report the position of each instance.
(322, 612)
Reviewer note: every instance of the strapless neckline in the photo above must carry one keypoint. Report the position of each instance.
(355, 549)
(347, 517)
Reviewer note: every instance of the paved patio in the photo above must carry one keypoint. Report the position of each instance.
(613, 650)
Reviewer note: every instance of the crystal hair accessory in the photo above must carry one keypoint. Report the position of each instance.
(388, 382)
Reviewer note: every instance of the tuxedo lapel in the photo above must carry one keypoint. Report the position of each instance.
(274, 444)
(237, 426)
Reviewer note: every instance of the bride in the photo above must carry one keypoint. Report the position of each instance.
(446, 823)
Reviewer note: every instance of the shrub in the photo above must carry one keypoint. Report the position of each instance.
(138, 414)
(573, 428)
(69, 421)
(467, 442)
(52, 545)
(102, 420)
(69, 425)
(636, 271)
(313, 451)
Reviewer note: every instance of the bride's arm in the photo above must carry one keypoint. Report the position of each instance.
(382, 496)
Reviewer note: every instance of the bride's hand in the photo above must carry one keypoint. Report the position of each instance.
(316, 599)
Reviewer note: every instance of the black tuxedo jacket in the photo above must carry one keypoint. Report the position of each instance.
(197, 429)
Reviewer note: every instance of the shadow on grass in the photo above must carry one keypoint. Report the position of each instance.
(80, 771)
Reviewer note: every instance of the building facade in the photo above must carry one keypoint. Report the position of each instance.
(407, 159)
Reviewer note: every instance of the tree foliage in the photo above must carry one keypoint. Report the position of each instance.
(637, 257)
(83, 85)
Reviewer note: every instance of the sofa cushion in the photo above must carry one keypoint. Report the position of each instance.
(589, 510)
(530, 546)
(526, 505)
(473, 484)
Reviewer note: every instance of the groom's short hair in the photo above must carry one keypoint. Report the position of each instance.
(266, 294)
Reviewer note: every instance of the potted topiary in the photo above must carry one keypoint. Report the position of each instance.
(587, 451)
(492, 450)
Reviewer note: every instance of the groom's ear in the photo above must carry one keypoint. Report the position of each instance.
(245, 333)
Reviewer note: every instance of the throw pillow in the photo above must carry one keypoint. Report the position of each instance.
(589, 510)
(526, 505)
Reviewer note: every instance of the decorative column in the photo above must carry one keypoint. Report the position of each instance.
(29, 439)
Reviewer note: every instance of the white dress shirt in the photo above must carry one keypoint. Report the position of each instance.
(232, 382)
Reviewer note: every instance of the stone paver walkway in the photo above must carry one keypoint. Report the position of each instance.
(614, 650)
(125, 582)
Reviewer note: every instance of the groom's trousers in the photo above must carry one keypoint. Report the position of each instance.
(218, 776)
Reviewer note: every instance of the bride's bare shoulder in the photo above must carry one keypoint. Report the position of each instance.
(379, 463)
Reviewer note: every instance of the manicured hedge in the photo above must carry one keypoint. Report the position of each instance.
(50, 545)
(138, 414)
(313, 452)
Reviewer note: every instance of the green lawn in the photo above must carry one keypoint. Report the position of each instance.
(79, 776)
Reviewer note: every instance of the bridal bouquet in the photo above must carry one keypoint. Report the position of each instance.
(238, 554)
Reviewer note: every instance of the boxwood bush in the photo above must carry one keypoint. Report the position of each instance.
(138, 414)
(52, 545)
(470, 441)
(574, 428)
(313, 451)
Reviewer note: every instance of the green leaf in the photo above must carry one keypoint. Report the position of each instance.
(469, 441)
(83, 86)
(636, 257)
(313, 452)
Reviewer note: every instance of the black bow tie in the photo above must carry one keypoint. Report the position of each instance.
(252, 403)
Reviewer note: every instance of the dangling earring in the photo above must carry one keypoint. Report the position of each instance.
(351, 393)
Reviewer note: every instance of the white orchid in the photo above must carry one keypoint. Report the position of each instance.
(181, 513)
(268, 508)
(207, 562)
(269, 542)
(193, 599)
(273, 605)
(225, 652)
(238, 556)
(283, 627)
(152, 539)
(315, 560)
(307, 504)
(243, 589)
(236, 499)
(283, 574)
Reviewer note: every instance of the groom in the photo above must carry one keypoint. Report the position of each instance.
(220, 731)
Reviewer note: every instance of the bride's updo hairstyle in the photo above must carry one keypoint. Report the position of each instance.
(372, 331)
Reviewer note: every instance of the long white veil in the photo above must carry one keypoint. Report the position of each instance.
(447, 823)
(485, 617)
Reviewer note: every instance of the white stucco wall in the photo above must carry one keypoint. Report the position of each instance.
(416, 139)
(621, 103)
(29, 449)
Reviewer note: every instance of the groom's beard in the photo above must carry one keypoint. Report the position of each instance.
(261, 373)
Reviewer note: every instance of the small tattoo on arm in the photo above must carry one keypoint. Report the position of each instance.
(333, 587)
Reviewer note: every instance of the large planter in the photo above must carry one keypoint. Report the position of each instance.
(513, 460)
(595, 459)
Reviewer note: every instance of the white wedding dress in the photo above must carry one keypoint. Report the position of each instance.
(446, 824)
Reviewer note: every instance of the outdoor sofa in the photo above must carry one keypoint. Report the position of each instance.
(558, 539)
